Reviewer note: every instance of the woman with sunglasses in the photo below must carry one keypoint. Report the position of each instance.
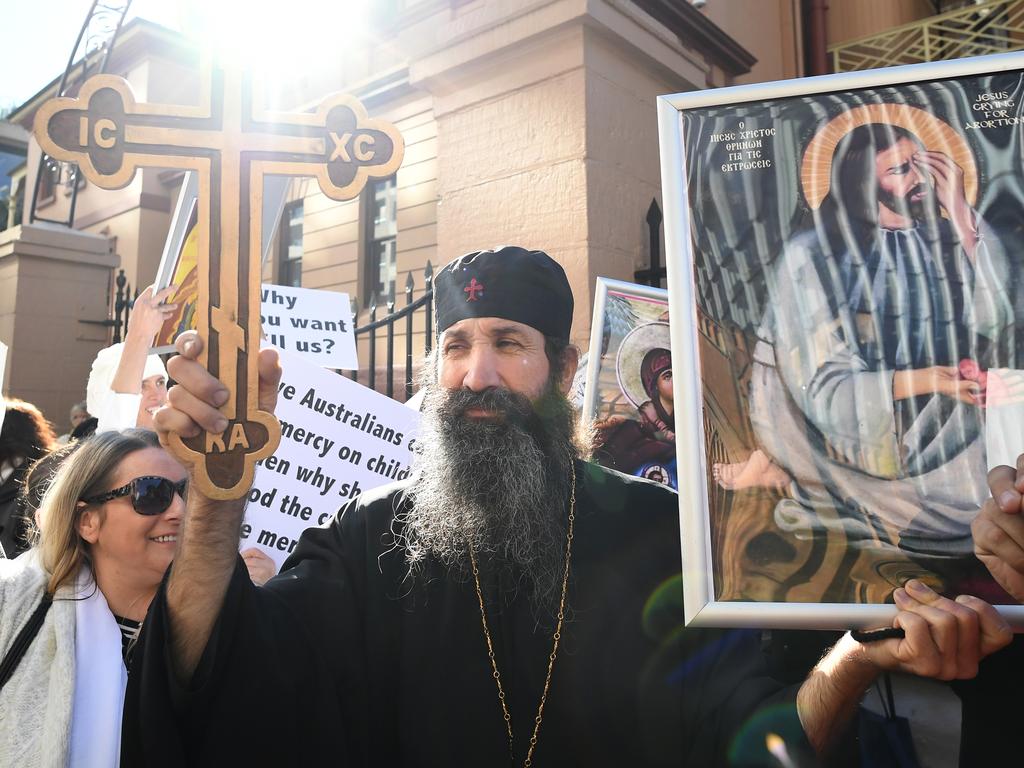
(71, 607)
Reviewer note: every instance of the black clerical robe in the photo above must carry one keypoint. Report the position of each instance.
(343, 659)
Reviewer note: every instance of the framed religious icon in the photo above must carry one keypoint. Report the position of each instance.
(628, 394)
(179, 266)
(179, 263)
(846, 281)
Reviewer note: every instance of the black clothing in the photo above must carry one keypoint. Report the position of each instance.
(86, 429)
(990, 715)
(14, 526)
(344, 660)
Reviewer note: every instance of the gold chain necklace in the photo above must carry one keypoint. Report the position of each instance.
(555, 638)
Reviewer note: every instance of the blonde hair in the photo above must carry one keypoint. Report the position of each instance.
(87, 471)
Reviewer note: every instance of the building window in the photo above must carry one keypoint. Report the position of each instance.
(75, 178)
(17, 203)
(381, 228)
(48, 180)
(291, 245)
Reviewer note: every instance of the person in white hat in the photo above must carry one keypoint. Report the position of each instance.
(126, 384)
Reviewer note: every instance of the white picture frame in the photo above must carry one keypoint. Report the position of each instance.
(703, 606)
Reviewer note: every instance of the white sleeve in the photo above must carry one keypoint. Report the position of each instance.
(120, 410)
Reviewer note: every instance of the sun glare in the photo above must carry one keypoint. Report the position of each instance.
(281, 39)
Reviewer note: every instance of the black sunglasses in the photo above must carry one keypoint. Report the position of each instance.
(151, 495)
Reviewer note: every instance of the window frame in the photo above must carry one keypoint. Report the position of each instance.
(370, 241)
(287, 264)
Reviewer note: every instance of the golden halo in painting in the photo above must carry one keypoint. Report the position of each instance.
(936, 135)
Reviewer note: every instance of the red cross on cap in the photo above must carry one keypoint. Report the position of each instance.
(472, 289)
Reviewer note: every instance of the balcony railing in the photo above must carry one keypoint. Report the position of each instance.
(992, 27)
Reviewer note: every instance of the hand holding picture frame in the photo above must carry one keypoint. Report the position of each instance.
(178, 262)
(845, 284)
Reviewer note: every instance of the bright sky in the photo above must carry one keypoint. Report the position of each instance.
(39, 37)
(40, 33)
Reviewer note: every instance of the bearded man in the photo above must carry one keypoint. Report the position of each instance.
(510, 603)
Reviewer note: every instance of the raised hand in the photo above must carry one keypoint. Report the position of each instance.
(998, 529)
(194, 401)
(208, 541)
(149, 312)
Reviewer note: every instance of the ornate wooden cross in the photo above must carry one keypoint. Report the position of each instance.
(231, 147)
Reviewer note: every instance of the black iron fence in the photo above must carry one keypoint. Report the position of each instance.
(387, 325)
(402, 319)
(655, 273)
(120, 309)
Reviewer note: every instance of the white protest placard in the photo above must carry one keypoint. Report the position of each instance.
(338, 439)
(315, 324)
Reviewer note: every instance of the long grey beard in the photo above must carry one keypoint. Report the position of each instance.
(500, 488)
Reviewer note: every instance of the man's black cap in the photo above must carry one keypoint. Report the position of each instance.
(509, 282)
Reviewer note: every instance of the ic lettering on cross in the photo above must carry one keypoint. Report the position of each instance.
(231, 147)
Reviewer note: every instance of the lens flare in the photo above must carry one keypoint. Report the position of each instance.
(279, 40)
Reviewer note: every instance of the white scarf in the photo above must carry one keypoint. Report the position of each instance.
(100, 680)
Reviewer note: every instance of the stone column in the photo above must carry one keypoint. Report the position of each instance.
(52, 280)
